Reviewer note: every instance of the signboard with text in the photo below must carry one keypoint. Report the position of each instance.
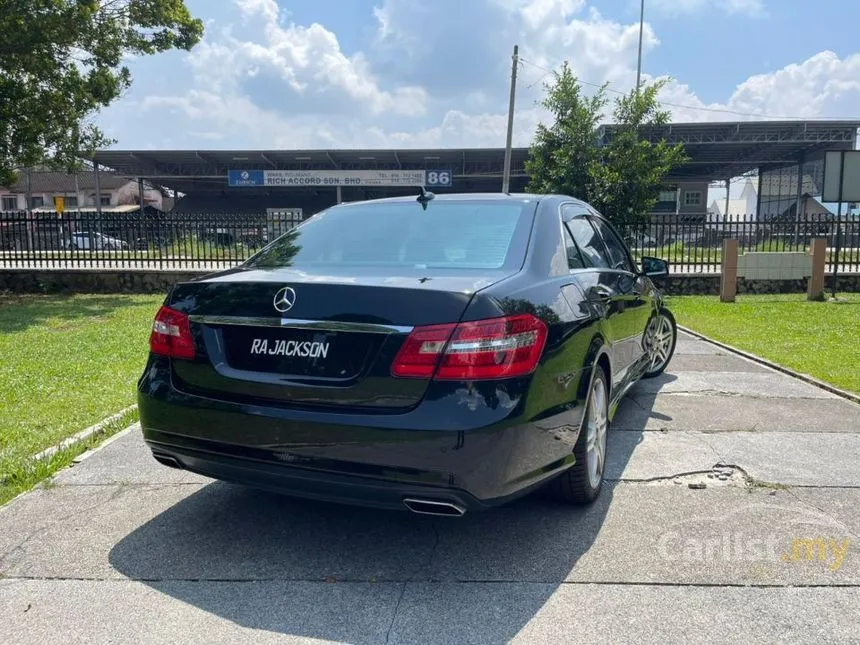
(335, 178)
(841, 176)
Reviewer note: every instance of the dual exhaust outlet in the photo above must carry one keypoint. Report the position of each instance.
(433, 507)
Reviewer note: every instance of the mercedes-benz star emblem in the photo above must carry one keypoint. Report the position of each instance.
(285, 299)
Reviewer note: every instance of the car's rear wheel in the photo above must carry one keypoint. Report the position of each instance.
(581, 484)
(660, 338)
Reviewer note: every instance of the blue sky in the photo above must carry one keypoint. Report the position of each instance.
(410, 73)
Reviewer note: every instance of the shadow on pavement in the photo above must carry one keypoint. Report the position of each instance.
(228, 533)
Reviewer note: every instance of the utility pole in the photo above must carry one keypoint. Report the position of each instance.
(639, 63)
(506, 178)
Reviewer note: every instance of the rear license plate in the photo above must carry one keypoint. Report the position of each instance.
(297, 352)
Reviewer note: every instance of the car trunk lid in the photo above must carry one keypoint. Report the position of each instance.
(335, 344)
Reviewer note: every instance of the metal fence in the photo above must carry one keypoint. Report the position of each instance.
(696, 247)
(207, 241)
(81, 240)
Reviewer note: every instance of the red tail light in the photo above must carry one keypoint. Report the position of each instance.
(483, 349)
(171, 334)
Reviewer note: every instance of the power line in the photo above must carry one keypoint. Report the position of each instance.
(539, 78)
(701, 108)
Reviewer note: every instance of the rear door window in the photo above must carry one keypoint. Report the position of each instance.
(468, 234)
(589, 243)
(574, 258)
(618, 257)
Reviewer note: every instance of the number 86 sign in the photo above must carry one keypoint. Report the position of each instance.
(443, 178)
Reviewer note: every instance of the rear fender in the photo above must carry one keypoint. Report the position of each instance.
(596, 350)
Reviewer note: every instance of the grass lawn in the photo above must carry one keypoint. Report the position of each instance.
(816, 338)
(66, 362)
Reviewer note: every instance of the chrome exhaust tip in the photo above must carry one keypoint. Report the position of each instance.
(167, 460)
(433, 507)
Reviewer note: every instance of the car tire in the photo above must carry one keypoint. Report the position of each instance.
(582, 482)
(661, 336)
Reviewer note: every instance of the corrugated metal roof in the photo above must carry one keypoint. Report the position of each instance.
(717, 151)
(42, 181)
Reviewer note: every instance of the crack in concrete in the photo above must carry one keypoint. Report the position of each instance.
(823, 512)
(721, 470)
(394, 613)
(737, 395)
(5, 557)
(437, 538)
(710, 446)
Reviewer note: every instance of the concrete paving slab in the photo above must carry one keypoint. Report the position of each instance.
(796, 459)
(660, 533)
(713, 363)
(115, 611)
(792, 458)
(633, 456)
(770, 385)
(122, 546)
(716, 413)
(838, 504)
(611, 614)
(35, 611)
(634, 533)
(691, 345)
(197, 532)
(126, 460)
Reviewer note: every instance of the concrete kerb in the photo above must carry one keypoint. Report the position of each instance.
(95, 429)
(854, 398)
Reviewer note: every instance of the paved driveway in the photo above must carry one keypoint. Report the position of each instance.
(732, 514)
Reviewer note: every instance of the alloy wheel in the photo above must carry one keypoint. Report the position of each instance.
(596, 426)
(658, 339)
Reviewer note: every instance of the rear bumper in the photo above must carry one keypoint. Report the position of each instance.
(311, 484)
(429, 452)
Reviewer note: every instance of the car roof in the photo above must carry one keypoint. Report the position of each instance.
(464, 197)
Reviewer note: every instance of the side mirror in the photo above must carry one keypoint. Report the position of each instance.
(654, 267)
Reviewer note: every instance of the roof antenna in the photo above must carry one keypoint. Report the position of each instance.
(424, 197)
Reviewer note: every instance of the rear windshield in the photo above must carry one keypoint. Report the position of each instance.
(470, 234)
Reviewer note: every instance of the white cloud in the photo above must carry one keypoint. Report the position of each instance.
(268, 9)
(459, 129)
(821, 86)
(599, 49)
(307, 59)
(242, 123)
(538, 13)
(286, 85)
(753, 8)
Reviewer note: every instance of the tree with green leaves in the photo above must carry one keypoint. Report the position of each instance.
(627, 181)
(563, 154)
(62, 60)
(622, 175)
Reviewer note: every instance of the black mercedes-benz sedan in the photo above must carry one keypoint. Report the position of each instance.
(440, 354)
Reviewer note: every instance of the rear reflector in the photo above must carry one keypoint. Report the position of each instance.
(171, 334)
(483, 349)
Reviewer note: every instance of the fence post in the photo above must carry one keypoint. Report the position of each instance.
(729, 275)
(818, 251)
